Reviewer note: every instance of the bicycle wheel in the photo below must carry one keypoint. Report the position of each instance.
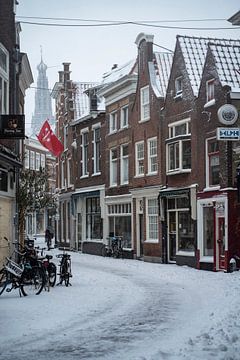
(104, 251)
(32, 281)
(4, 280)
(52, 273)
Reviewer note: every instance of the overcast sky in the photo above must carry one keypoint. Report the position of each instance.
(92, 50)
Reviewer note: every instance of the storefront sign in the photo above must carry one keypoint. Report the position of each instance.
(227, 114)
(228, 133)
(12, 127)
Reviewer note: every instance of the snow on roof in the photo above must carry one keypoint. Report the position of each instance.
(159, 78)
(81, 99)
(194, 51)
(227, 59)
(119, 72)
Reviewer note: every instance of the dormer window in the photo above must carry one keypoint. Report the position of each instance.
(178, 86)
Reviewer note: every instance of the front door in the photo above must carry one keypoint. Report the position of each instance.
(220, 237)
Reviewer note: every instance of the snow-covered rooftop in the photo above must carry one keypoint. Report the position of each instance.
(119, 72)
(81, 98)
(194, 51)
(162, 65)
(227, 59)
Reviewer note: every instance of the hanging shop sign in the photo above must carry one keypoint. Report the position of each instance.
(227, 114)
(228, 133)
(12, 126)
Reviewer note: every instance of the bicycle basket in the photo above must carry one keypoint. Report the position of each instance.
(13, 268)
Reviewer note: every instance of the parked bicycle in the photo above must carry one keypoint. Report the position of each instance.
(49, 268)
(65, 271)
(113, 247)
(28, 278)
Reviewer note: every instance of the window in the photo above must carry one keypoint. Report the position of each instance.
(85, 143)
(152, 219)
(43, 161)
(124, 164)
(93, 218)
(32, 160)
(179, 147)
(210, 90)
(124, 117)
(213, 169)
(65, 136)
(113, 122)
(178, 86)
(3, 180)
(37, 161)
(27, 159)
(4, 79)
(152, 156)
(113, 167)
(145, 104)
(139, 153)
(208, 231)
(119, 216)
(96, 150)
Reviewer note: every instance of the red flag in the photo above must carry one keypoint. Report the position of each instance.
(49, 140)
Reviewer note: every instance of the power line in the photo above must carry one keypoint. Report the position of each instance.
(116, 21)
(120, 23)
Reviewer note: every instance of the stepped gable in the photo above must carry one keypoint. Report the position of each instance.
(227, 59)
(194, 51)
(162, 63)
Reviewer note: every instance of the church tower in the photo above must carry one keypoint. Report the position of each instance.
(43, 104)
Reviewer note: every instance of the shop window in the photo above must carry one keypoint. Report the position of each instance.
(93, 218)
(208, 231)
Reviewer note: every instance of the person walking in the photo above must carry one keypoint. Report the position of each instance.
(48, 238)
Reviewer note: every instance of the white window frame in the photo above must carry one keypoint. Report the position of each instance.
(176, 142)
(26, 160)
(210, 90)
(32, 160)
(145, 103)
(43, 161)
(152, 156)
(96, 152)
(124, 165)
(178, 86)
(85, 152)
(113, 122)
(124, 117)
(207, 164)
(151, 216)
(139, 169)
(113, 168)
(4, 79)
(37, 160)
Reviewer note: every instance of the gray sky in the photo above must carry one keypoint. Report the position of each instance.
(93, 50)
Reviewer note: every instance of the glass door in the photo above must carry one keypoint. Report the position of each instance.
(172, 236)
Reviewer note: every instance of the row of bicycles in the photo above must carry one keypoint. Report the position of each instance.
(30, 270)
(113, 247)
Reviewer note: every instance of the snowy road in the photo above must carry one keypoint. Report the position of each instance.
(125, 309)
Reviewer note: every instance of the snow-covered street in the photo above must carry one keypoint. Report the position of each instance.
(125, 309)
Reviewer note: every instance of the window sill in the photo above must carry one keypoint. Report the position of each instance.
(176, 172)
(96, 174)
(185, 253)
(113, 186)
(178, 96)
(206, 259)
(139, 176)
(212, 188)
(143, 120)
(152, 241)
(84, 176)
(209, 103)
(152, 173)
(112, 132)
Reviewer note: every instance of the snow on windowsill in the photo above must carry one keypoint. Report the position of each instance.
(209, 103)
